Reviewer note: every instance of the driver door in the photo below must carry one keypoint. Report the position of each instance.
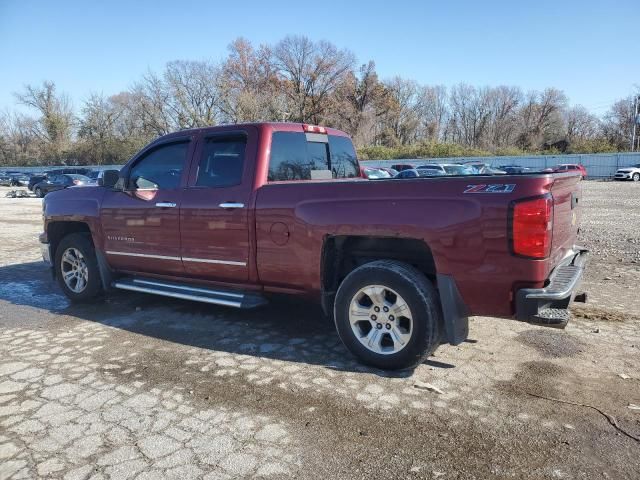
(141, 224)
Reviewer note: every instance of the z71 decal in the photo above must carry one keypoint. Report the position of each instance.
(491, 188)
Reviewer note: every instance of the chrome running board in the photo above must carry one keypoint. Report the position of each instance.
(184, 291)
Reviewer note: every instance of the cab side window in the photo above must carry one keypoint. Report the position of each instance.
(161, 168)
(296, 156)
(222, 162)
(289, 159)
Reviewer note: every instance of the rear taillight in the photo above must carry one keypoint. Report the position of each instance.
(532, 227)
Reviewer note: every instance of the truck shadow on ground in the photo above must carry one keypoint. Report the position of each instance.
(286, 329)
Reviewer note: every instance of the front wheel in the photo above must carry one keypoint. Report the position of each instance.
(388, 315)
(77, 268)
(38, 192)
(636, 177)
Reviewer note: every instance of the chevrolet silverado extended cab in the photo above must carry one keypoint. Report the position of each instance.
(230, 215)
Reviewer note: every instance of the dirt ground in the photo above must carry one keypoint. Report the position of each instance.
(142, 387)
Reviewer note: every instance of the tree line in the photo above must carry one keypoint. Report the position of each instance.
(301, 80)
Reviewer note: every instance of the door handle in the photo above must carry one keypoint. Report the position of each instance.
(231, 205)
(165, 204)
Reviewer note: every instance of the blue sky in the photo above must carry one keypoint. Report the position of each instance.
(581, 47)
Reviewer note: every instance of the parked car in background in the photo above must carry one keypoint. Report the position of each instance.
(628, 173)
(515, 169)
(449, 168)
(34, 180)
(391, 171)
(5, 180)
(571, 167)
(415, 173)
(432, 166)
(71, 171)
(374, 173)
(482, 168)
(457, 169)
(403, 166)
(59, 182)
(95, 175)
(18, 179)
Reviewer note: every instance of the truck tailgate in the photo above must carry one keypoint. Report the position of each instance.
(567, 194)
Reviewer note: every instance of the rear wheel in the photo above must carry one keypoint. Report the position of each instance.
(38, 192)
(77, 268)
(636, 177)
(387, 314)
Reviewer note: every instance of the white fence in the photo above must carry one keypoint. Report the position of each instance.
(600, 165)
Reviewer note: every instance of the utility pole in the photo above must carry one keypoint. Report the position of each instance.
(635, 123)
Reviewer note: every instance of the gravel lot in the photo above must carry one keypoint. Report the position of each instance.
(147, 387)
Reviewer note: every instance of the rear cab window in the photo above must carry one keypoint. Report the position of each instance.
(311, 156)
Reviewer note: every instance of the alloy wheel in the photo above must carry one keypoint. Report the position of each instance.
(381, 319)
(75, 272)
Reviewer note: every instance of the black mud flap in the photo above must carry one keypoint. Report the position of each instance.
(105, 272)
(454, 311)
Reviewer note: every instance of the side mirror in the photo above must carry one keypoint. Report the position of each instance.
(109, 178)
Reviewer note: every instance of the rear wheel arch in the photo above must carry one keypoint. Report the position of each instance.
(341, 254)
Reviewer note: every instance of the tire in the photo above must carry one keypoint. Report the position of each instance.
(420, 324)
(636, 177)
(75, 243)
(38, 192)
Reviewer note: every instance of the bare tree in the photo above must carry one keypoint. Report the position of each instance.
(18, 142)
(504, 102)
(618, 122)
(433, 110)
(400, 112)
(581, 124)
(541, 118)
(310, 72)
(470, 113)
(248, 85)
(301, 80)
(192, 92)
(152, 105)
(54, 126)
(354, 103)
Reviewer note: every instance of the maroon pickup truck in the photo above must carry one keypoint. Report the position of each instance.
(231, 214)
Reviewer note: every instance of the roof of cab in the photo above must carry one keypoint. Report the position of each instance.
(271, 126)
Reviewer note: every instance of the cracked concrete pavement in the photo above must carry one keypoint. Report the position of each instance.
(147, 387)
